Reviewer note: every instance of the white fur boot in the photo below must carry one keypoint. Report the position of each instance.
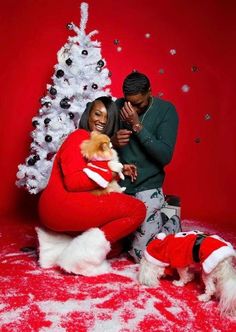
(51, 245)
(86, 254)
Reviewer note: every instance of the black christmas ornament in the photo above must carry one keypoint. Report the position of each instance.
(36, 157)
(59, 73)
(64, 103)
(85, 87)
(116, 41)
(84, 52)
(48, 138)
(194, 69)
(68, 62)
(101, 63)
(47, 120)
(35, 123)
(94, 86)
(31, 161)
(47, 104)
(69, 26)
(71, 115)
(53, 91)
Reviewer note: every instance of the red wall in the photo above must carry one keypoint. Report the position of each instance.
(203, 34)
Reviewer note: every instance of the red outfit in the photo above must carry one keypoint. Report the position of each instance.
(68, 205)
(176, 250)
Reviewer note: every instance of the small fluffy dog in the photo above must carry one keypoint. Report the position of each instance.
(181, 250)
(100, 154)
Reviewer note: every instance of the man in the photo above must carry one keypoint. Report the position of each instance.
(146, 139)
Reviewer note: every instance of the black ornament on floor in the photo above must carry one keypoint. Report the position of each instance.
(94, 86)
(84, 52)
(60, 73)
(64, 103)
(48, 138)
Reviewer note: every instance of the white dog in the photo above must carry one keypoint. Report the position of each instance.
(184, 249)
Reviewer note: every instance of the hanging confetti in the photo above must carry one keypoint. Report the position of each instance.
(172, 51)
(194, 69)
(197, 140)
(207, 117)
(185, 88)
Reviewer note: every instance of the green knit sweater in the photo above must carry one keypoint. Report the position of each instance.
(152, 148)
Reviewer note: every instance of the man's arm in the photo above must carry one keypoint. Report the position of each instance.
(160, 146)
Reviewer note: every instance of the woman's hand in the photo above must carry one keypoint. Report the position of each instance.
(131, 171)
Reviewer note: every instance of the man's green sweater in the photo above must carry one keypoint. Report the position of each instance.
(152, 148)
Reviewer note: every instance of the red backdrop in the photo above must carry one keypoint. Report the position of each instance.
(203, 35)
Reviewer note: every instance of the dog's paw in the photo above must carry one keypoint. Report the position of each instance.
(178, 283)
(204, 297)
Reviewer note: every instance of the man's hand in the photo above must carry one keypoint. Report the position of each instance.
(130, 170)
(128, 114)
(121, 138)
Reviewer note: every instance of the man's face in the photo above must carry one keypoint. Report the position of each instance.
(140, 101)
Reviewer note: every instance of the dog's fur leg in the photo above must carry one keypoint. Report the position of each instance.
(184, 277)
(226, 286)
(210, 289)
(149, 274)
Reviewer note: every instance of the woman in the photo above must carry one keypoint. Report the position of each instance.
(67, 204)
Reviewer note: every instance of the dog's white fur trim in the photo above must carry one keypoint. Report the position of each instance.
(96, 177)
(153, 260)
(86, 254)
(216, 257)
(51, 245)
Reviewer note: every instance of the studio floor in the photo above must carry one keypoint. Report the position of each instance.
(34, 299)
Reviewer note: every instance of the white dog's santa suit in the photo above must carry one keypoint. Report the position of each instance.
(177, 250)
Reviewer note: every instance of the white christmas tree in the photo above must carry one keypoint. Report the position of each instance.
(80, 77)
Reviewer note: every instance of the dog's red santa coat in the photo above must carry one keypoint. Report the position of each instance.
(176, 250)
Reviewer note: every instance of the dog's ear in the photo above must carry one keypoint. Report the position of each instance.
(104, 146)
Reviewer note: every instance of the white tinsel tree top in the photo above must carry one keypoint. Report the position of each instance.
(80, 76)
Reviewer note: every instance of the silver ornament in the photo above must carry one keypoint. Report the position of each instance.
(98, 69)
